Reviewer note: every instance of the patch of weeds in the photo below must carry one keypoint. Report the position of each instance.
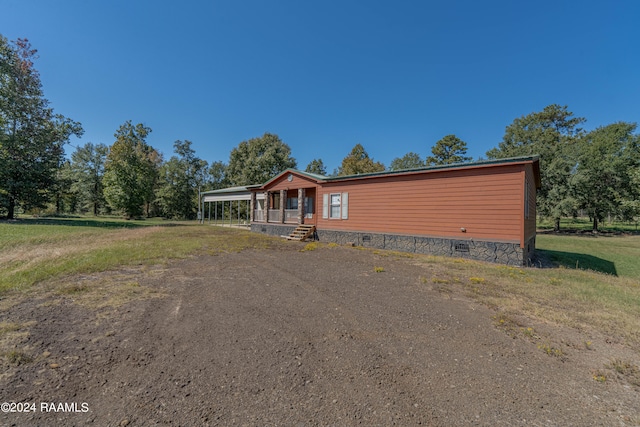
(529, 333)
(378, 269)
(626, 369)
(76, 288)
(514, 328)
(439, 281)
(6, 327)
(550, 350)
(312, 246)
(507, 323)
(555, 281)
(332, 245)
(17, 357)
(599, 376)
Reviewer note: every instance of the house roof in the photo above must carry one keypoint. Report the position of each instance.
(453, 166)
(481, 163)
(239, 189)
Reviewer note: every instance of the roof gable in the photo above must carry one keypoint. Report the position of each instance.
(296, 175)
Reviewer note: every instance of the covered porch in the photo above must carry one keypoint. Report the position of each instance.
(285, 206)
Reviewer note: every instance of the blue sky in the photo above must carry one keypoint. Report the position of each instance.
(395, 76)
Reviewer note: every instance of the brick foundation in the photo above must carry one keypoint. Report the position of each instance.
(497, 252)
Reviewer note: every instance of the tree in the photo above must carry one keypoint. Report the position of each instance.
(317, 167)
(218, 176)
(131, 170)
(258, 160)
(630, 207)
(180, 179)
(448, 150)
(605, 175)
(357, 162)
(408, 161)
(551, 134)
(32, 137)
(87, 171)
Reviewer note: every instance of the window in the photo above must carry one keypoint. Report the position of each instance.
(308, 205)
(334, 211)
(335, 206)
(292, 203)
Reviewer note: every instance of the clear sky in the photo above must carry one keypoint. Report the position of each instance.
(395, 76)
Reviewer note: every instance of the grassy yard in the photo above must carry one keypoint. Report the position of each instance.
(33, 251)
(618, 255)
(603, 293)
(585, 224)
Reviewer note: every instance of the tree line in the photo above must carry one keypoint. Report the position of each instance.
(596, 172)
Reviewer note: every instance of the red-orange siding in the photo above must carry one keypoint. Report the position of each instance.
(487, 203)
(530, 189)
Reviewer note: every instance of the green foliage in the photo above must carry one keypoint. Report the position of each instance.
(131, 170)
(551, 134)
(180, 179)
(357, 162)
(218, 176)
(448, 150)
(87, 172)
(606, 172)
(258, 160)
(31, 135)
(317, 167)
(410, 160)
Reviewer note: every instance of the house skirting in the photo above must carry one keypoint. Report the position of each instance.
(497, 252)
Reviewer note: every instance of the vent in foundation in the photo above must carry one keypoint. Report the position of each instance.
(263, 230)
(462, 247)
(366, 239)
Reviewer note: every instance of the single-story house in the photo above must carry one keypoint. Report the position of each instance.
(484, 210)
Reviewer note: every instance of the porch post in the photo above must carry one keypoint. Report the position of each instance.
(283, 199)
(252, 206)
(267, 205)
(300, 205)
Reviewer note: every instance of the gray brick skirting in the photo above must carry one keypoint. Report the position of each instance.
(497, 252)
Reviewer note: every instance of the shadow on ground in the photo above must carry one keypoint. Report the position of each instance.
(576, 261)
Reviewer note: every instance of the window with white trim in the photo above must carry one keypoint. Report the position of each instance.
(335, 206)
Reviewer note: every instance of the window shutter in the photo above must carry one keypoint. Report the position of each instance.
(345, 205)
(325, 206)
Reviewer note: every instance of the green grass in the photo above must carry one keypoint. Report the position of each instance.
(612, 254)
(33, 251)
(576, 298)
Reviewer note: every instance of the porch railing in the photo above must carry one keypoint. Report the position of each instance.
(291, 215)
(274, 215)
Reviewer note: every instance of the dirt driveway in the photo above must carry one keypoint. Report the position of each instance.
(289, 338)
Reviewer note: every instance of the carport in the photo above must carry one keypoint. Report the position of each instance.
(221, 204)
